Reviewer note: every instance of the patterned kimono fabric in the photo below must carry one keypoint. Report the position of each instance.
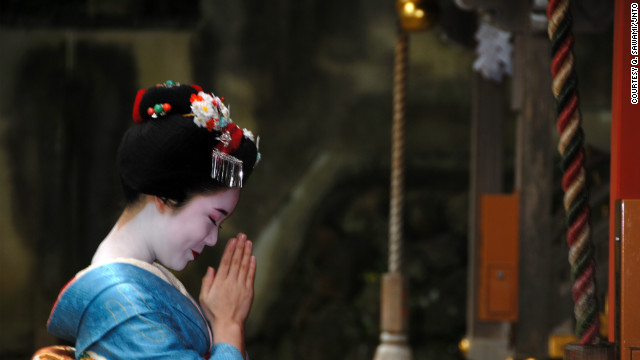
(131, 310)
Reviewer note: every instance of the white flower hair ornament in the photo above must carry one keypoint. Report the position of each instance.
(209, 112)
(204, 108)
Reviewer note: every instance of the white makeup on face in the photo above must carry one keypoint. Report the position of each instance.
(186, 231)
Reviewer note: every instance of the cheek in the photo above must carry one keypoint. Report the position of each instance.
(189, 233)
(177, 237)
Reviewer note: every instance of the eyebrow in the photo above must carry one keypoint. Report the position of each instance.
(223, 211)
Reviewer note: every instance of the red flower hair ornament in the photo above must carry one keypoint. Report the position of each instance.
(208, 112)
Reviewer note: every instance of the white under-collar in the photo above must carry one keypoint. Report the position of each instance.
(155, 268)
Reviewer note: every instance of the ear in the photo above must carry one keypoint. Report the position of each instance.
(161, 206)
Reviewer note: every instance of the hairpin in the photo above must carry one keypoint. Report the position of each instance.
(169, 83)
(159, 110)
(226, 169)
(209, 112)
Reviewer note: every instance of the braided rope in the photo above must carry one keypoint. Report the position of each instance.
(570, 146)
(397, 153)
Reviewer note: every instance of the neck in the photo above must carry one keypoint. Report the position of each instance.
(130, 237)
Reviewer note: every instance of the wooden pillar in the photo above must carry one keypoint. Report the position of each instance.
(534, 166)
(627, 293)
(488, 340)
(625, 129)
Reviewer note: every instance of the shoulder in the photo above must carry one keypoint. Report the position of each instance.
(124, 303)
(127, 299)
(116, 281)
(121, 291)
(138, 313)
(136, 318)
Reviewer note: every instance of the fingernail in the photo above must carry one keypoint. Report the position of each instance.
(242, 236)
(249, 244)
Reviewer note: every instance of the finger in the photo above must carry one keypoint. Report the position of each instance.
(207, 282)
(246, 258)
(237, 256)
(251, 274)
(225, 262)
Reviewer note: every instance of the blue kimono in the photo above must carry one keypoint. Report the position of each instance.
(123, 311)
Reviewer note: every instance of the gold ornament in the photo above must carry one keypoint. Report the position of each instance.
(417, 15)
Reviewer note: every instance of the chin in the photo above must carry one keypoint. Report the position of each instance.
(175, 267)
(179, 267)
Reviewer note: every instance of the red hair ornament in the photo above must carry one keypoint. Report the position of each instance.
(209, 112)
(137, 118)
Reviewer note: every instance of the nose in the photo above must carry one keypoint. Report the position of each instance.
(212, 238)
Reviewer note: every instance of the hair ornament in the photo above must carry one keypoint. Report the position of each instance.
(209, 112)
(169, 83)
(226, 169)
(159, 110)
(258, 154)
(224, 122)
(167, 98)
(232, 149)
(249, 135)
(137, 118)
(225, 139)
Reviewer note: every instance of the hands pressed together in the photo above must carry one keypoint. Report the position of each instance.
(226, 295)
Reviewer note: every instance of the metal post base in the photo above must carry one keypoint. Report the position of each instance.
(393, 347)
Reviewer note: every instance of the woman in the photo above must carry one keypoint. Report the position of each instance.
(182, 165)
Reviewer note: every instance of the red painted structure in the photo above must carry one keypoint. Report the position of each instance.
(625, 128)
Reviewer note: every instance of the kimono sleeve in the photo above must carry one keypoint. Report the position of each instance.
(144, 337)
(132, 321)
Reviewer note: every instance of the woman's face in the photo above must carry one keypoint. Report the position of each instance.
(187, 230)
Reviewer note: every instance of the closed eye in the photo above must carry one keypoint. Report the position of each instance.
(214, 222)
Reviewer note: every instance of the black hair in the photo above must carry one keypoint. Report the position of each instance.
(169, 156)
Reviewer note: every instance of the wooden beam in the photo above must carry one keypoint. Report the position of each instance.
(588, 15)
(534, 167)
(625, 131)
(485, 176)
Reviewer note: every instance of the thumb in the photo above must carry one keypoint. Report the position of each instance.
(207, 280)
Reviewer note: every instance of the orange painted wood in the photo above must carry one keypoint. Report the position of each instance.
(627, 271)
(625, 130)
(499, 249)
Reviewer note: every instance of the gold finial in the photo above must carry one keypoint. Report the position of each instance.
(417, 15)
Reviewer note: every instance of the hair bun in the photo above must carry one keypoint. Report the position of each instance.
(174, 95)
(190, 145)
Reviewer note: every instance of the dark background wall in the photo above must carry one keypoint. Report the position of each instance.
(313, 79)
